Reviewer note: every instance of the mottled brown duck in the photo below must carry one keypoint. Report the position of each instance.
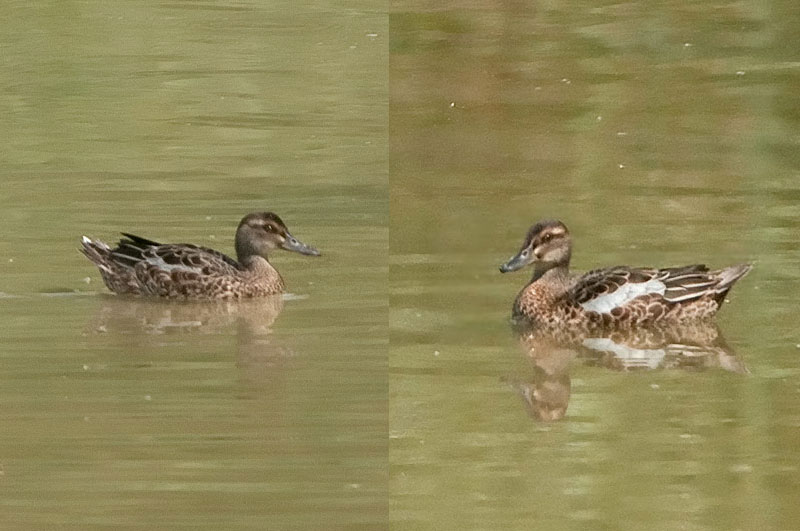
(611, 297)
(137, 266)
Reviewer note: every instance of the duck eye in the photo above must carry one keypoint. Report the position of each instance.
(547, 237)
(268, 228)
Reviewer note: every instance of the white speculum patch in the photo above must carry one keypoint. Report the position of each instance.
(625, 294)
(161, 264)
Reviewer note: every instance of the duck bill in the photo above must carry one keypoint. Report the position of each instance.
(518, 261)
(290, 243)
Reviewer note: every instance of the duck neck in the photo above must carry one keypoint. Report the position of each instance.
(555, 271)
(257, 264)
(246, 251)
(261, 273)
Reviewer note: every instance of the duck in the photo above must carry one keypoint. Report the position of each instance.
(611, 297)
(141, 267)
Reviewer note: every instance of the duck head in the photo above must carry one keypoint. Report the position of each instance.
(547, 244)
(261, 232)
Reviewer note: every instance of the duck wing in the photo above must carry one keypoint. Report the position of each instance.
(603, 290)
(693, 282)
(134, 250)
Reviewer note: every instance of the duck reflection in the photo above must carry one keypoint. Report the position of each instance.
(150, 316)
(148, 321)
(698, 346)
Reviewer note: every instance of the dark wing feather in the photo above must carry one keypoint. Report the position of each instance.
(688, 286)
(682, 284)
(189, 257)
(128, 251)
(138, 241)
(693, 282)
(608, 280)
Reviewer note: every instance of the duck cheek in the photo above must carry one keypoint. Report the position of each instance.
(266, 246)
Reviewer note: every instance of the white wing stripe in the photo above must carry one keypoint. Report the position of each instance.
(705, 284)
(686, 297)
(161, 264)
(623, 295)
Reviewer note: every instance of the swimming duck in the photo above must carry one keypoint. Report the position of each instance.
(618, 296)
(137, 266)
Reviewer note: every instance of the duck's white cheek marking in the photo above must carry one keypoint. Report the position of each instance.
(625, 294)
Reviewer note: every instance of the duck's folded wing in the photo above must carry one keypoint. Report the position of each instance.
(189, 258)
(603, 290)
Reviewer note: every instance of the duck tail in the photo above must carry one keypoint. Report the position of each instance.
(728, 277)
(97, 252)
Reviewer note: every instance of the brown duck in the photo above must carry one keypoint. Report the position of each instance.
(137, 266)
(618, 296)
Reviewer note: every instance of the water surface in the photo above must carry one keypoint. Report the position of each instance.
(661, 134)
(172, 121)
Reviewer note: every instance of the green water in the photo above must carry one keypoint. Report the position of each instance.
(173, 120)
(413, 144)
(661, 133)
